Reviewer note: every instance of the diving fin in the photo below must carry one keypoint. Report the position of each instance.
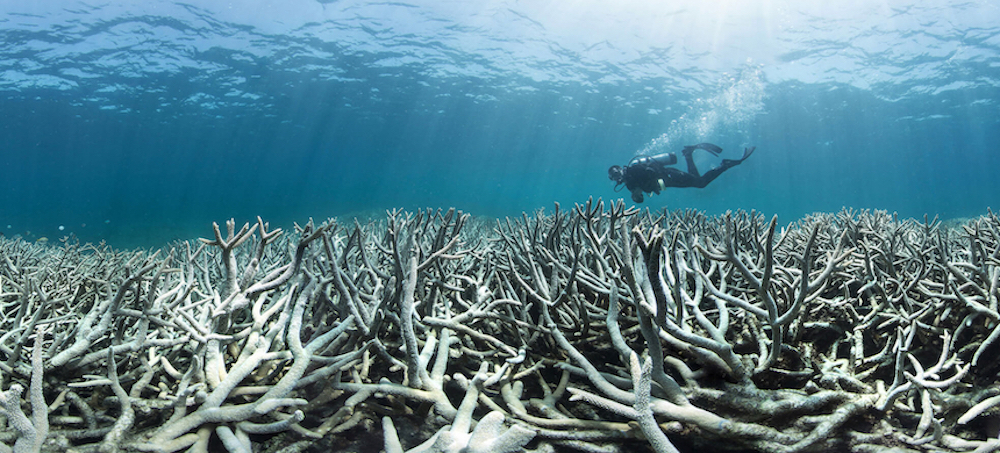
(715, 150)
(729, 163)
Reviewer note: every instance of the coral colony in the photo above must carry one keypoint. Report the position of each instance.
(597, 330)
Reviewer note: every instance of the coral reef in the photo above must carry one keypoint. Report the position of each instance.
(594, 330)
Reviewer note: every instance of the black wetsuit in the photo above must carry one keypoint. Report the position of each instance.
(651, 175)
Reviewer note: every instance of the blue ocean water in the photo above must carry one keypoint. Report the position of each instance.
(143, 122)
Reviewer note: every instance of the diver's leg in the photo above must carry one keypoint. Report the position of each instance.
(726, 165)
(688, 153)
(703, 180)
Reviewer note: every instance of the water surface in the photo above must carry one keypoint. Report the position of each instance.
(142, 122)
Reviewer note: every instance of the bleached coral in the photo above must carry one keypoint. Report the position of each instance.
(591, 330)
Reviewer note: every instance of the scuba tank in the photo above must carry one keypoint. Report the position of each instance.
(661, 159)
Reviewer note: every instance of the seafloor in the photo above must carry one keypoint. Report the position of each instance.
(599, 329)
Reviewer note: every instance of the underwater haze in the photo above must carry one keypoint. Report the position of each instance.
(142, 122)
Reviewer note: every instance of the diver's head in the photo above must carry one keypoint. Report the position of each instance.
(615, 173)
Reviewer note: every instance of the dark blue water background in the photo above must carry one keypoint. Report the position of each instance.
(142, 122)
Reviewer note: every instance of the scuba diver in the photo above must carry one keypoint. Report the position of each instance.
(650, 174)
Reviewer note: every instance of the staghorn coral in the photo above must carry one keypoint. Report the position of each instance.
(591, 330)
